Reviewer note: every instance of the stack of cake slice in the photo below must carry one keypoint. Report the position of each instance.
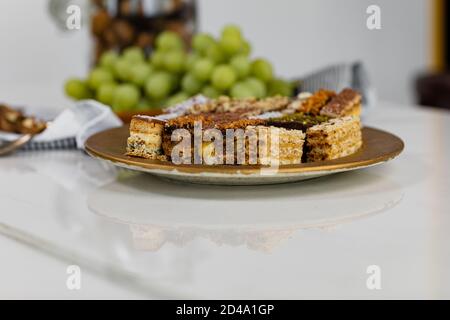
(333, 139)
(313, 127)
(245, 141)
(331, 122)
(145, 137)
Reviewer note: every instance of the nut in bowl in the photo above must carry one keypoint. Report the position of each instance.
(249, 141)
(15, 121)
(17, 129)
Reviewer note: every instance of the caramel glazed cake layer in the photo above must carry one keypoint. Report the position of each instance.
(311, 127)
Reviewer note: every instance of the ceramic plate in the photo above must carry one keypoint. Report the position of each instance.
(378, 147)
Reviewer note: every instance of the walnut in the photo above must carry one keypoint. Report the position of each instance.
(100, 22)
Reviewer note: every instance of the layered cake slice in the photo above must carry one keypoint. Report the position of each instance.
(327, 103)
(277, 146)
(309, 103)
(244, 141)
(346, 103)
(315, 102)
(146, 137)
(333, 139)
(188, 125)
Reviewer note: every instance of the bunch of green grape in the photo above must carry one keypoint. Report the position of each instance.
(171, 74)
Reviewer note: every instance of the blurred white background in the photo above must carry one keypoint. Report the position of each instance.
(298, 36)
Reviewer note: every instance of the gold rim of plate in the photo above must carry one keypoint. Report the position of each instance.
(378, 146)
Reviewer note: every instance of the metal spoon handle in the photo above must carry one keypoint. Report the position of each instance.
(16, 144)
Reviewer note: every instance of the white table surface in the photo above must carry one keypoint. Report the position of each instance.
(135, 236)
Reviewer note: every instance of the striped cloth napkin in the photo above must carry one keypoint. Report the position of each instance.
(340, 76)
(71, 128)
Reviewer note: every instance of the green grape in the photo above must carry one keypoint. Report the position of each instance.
(202, 69)
(191, 59)
(134, 54)
(126, 97)
(280, 87)
(143, 105)
(159, 85)
(77, 89)
(108, 59)
(223, 77)
(158, 103)
(246, 49)
(231, 45)
(241, 64)
(105, 93)
(122, 69)
(211, 92)
(215, 54)
(99, 76)
(175, 81)
(169, 40)
(201, 42)
(177, 98)
(257, 86)
(190, 84)
(139, 73)
(174, 61)
(242, 90)
(262, 69)
(157, 59)
(231, 30)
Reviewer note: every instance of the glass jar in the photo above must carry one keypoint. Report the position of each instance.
(118, 24)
